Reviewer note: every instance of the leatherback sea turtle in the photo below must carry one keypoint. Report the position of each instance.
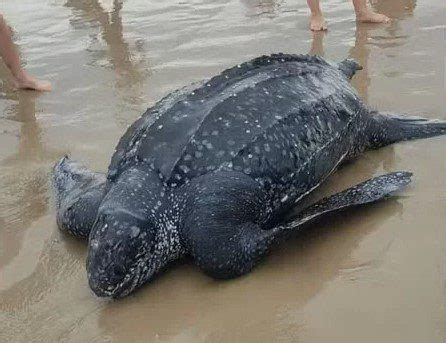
(211, 170)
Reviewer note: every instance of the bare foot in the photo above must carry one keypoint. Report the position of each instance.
(372, 17)
(26, 81)
(317, 23)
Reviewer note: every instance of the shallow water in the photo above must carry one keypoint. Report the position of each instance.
(376, 274)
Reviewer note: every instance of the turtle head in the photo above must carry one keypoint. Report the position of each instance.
(121, 253)
(130, 240)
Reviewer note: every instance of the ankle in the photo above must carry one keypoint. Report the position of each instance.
(316, 14)
(365, 12)
(20, 75)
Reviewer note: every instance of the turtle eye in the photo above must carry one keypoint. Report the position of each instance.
(119, 271)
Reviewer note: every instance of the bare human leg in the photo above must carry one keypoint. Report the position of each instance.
(317, 21)
(21, 78)
(365, 15)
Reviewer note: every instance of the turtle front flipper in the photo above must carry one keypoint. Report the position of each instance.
(222, 229)
(367, 192)
(79, 193)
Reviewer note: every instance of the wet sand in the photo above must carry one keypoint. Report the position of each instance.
(372, 275)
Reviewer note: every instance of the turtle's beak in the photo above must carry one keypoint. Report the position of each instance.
(103, 287)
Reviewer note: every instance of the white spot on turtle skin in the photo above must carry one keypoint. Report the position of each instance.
(94, 244)
(134, 231)
(184, 168)
(284, 198)
(160, 127)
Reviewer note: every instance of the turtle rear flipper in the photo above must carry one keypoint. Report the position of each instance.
(79, 192)
(389, 128)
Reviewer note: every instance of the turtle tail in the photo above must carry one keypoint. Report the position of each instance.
(349, 67)
(391, 128)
